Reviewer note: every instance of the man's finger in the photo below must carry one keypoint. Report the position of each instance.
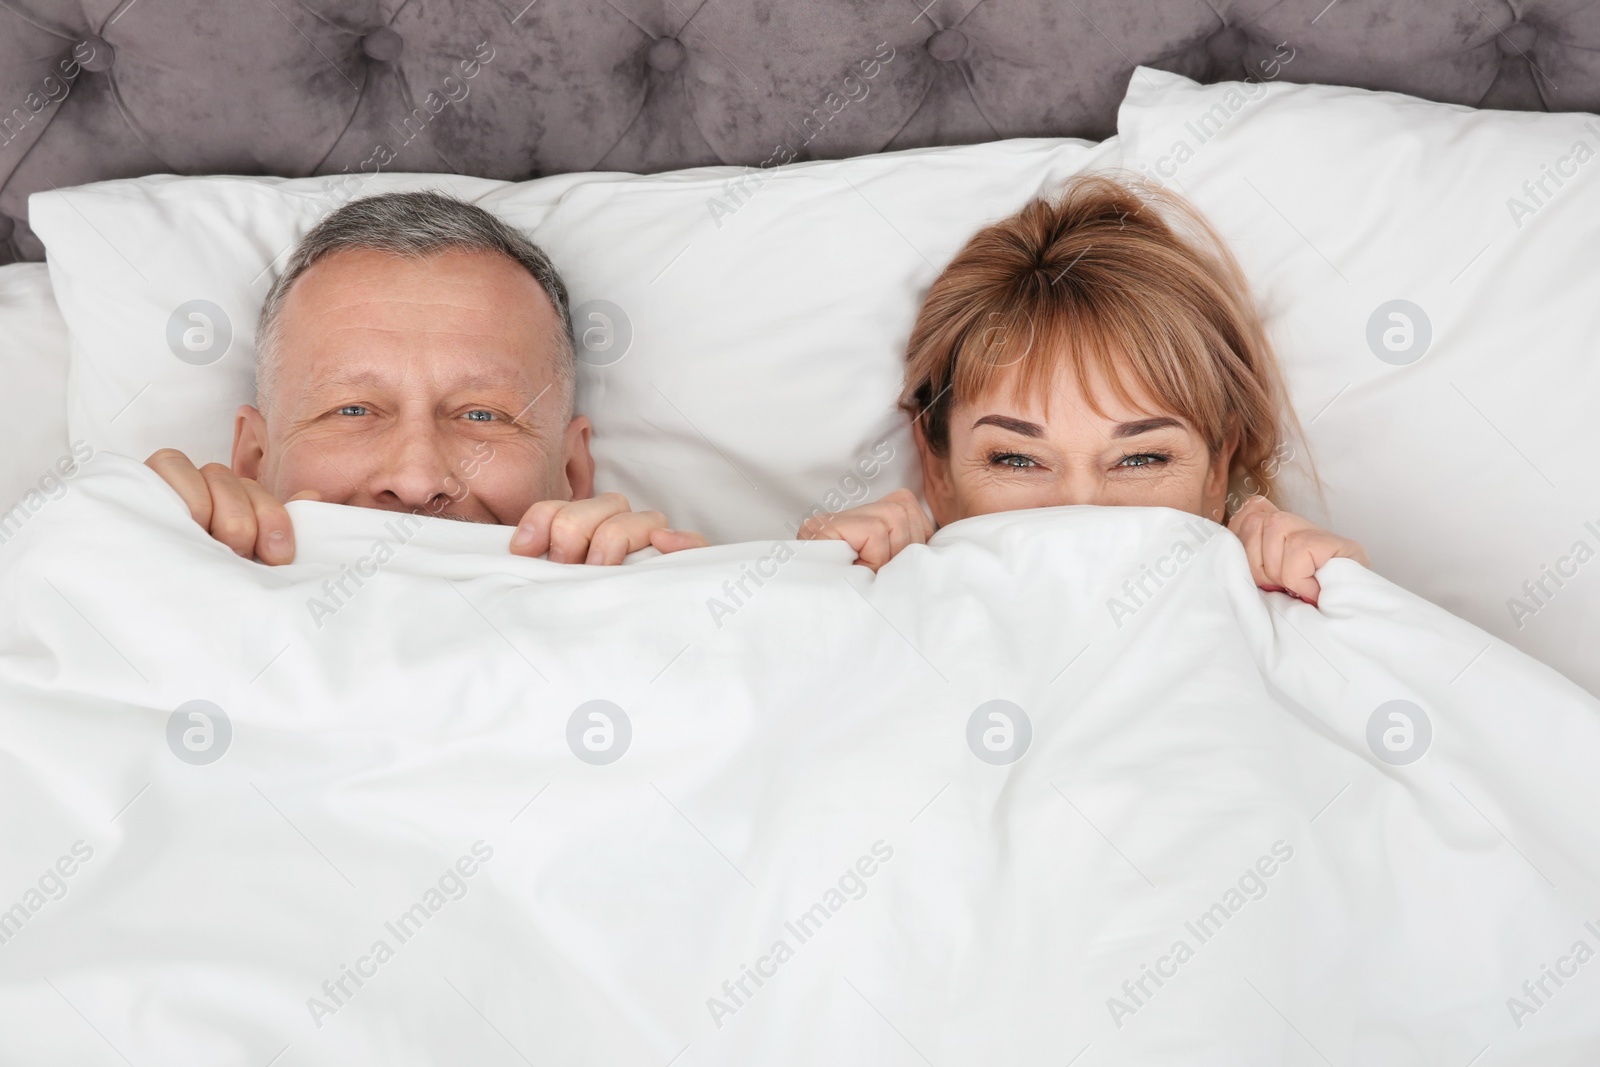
(233, 518)
(574, 526)
(614, 538)
(186, 479)
(666, 541)
(274, 530)
(532, 535)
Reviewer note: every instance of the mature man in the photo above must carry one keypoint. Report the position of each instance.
(416, 355)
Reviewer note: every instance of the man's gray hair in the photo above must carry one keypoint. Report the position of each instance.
(412, 224)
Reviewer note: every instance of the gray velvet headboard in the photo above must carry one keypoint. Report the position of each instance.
(97, 89)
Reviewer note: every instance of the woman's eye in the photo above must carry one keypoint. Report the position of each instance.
(1144, 459)
(353, 410)
(1014, 460)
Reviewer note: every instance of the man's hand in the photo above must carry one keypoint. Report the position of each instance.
(600, 530)
(877, 531)
(1285, 550)
(234, 510)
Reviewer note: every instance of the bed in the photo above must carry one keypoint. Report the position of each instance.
(752, 804)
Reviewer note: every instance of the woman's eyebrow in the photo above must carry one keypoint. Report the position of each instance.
(1134, 429)
(1006, 422)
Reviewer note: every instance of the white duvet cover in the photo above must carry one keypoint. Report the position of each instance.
(398, 830)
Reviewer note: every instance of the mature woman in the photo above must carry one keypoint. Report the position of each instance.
(1097, 348)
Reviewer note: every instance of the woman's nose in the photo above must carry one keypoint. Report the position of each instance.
(1077, 487)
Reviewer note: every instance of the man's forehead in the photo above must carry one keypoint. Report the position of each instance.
(457, 319)
(469, 279)
(388, 372)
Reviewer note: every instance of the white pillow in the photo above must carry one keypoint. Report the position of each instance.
(746, 329)
(34, 452)
(1464, 464)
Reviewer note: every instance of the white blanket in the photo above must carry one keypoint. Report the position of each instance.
(397, 831)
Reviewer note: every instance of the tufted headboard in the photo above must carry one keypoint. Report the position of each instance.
(98, 89)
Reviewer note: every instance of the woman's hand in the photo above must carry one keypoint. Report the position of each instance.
(877, 531)
(1285, 550)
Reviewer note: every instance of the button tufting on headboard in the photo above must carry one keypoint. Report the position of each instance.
(667, 54)
(94, 54)
(1516, 39)
(383, 45)
(515, 89)
(1227, 45)
(947, 46)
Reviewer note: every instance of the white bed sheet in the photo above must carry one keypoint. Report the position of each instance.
(33, 386)
(419, 724)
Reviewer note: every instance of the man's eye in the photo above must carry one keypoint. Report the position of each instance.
(1144, 459)
(479, 415)
(1014, 460)
(353, 410)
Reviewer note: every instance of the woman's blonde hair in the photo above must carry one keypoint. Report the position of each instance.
(1117, 275)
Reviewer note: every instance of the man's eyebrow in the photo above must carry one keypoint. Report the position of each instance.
(1134, 429)
(1006, 422)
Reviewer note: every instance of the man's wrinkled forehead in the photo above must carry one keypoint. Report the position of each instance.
(448, 291)
(470, 318)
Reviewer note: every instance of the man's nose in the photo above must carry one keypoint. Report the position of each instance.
(415, 472)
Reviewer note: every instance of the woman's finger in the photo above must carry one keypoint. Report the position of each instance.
(1300, 563)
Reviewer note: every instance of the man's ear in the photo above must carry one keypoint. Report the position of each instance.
(578, 464)
(249, 442)
(937, 487)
